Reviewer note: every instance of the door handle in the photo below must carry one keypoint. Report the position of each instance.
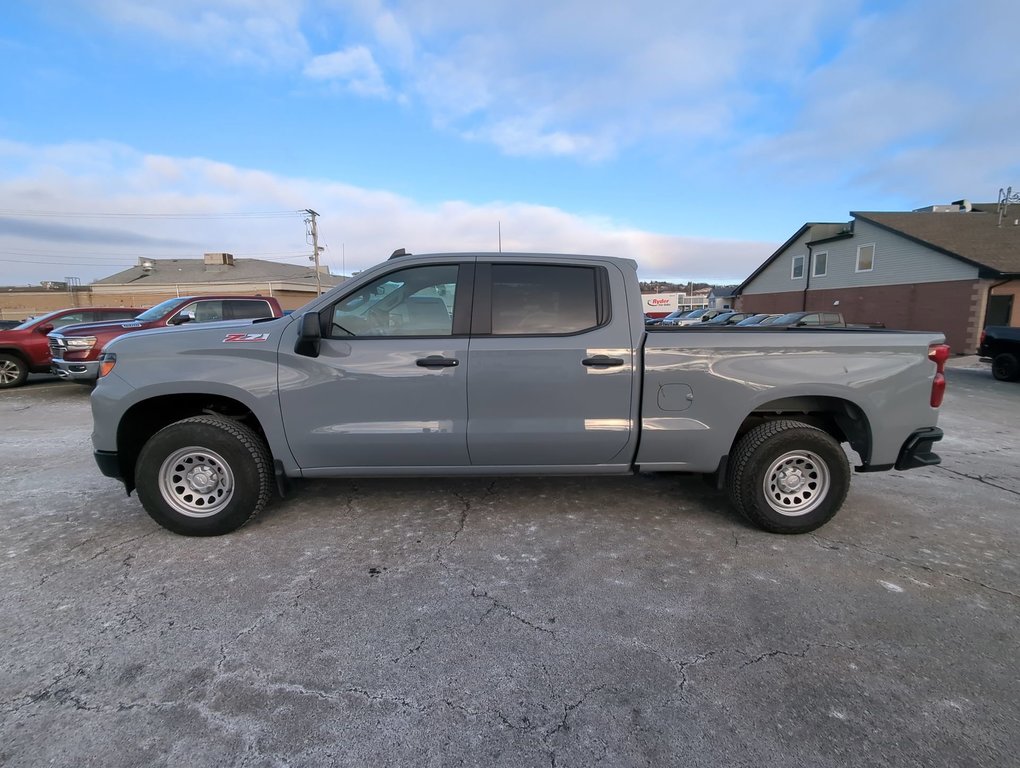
(437, 361)
(602, 361)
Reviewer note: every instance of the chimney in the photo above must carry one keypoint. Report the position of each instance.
(219, 259)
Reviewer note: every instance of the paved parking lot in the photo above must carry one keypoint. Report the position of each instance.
(512, 622)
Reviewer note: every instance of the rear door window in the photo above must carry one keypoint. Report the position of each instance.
(245, 309)
(539, 299)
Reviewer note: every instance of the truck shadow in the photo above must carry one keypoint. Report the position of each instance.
(639, 500)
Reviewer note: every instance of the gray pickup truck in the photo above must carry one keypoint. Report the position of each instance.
(499, 364)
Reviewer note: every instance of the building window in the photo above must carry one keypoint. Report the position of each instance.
(821, 265)
(865, 258)
(798, 268)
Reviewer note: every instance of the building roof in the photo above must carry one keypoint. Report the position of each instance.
(970, 233)
(180, 271)
(722, 291)
(817, 231)
(972, 236)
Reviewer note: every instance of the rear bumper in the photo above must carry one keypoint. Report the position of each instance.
(76, 371)
(916, 451)
(109, 463)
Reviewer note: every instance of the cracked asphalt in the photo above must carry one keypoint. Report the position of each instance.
(512, 622)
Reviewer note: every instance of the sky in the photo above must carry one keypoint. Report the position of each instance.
(693, 137)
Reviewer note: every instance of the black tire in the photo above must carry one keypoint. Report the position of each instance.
(1006, 367)
(13, 371)
(204, 476)
(787, 477)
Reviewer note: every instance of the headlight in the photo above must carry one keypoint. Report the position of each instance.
(80, 342)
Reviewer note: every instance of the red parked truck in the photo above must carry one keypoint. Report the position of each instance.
(75, 349)
(25, 349)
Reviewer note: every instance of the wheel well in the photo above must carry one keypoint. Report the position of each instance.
(142, 420)
(15, 352)
(842, 419)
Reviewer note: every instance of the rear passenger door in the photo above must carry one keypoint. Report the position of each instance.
(551, 366)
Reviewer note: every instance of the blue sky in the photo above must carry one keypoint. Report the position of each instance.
(693, 137)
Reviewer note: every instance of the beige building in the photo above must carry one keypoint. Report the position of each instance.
(154, 280)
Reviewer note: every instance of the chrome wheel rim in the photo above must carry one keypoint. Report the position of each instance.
(796, 483)
(8, 372)
(196, 482)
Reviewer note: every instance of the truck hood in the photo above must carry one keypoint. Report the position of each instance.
(201, 335)
(86, 329)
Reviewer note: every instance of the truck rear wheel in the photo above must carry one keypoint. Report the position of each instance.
(1006, 367)
(13, 371)
(204, 476)
(787, 477)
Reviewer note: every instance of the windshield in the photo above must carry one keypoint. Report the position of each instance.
(788, 319)
(158, 311)
(33, 320)
(696, 313)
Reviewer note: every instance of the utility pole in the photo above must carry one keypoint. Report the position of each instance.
(313, 226)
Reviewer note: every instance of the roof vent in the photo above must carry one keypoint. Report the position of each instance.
(147, 266)
(963, 205)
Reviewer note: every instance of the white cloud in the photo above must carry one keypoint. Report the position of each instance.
(358, 226)
(918, 102)
(897, 97)
(354, 68)
(256, 33)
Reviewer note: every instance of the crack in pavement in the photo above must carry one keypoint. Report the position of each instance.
(67, 566)
(818, 538)
(497, 605)
(979, 478)
(679, 665)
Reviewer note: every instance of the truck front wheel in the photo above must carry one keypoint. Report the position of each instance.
(204, 476)
(1006, 367)
(787, 477)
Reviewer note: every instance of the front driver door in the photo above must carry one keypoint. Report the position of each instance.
(389, 386)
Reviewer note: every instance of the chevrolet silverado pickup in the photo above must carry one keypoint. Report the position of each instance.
(499, 364)
(24, 348)
(75, 349)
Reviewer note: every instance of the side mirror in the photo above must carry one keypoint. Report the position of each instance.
(187, 316)
(310, 336)
(44, 328)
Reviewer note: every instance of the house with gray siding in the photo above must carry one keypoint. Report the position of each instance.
(951, 268)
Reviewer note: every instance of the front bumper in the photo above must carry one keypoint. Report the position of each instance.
(72, 370)
(916, 451)
(109, 463)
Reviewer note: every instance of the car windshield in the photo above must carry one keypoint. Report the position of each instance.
(788, 319)
(753, 319)
(33, 320)
(160, 310)
(696, 313)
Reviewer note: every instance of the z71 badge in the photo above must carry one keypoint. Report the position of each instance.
(245, 337)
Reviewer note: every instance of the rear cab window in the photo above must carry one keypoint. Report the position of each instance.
(540, 299)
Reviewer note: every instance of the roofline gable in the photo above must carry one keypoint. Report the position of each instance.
(778, 252)
(984, 269)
